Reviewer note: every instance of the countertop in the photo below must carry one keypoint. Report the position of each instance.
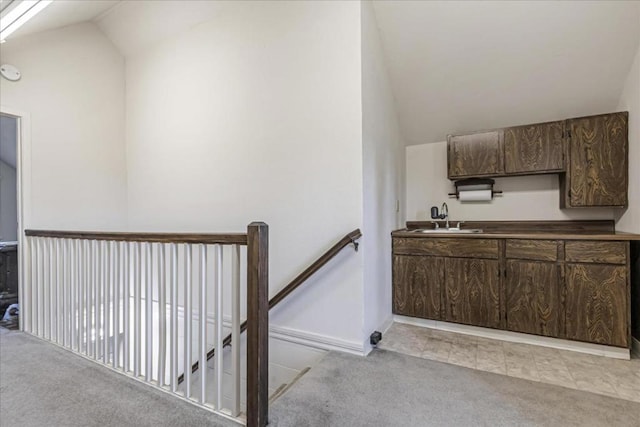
(552, 235)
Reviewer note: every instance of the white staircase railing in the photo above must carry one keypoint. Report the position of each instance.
(151, 305)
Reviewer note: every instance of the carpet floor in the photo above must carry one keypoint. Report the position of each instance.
(392, 389)
(44, 385)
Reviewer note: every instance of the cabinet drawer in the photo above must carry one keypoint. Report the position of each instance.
(537, 250)
(595, 251)
(460, 248)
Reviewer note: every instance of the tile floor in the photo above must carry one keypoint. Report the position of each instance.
(596, 374)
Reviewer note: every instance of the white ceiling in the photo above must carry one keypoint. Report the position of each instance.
(136, 25)
(61, 13)
(455, 66)
(464, 66)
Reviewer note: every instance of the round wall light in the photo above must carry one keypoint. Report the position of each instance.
(10, 72)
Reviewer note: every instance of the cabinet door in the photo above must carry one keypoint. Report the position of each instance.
(479, 154)
(534, 148)
(533, 298)
(3, 271)
(417, 284)
(472, 293)
(596, 305)
(12, 271)
(598, 161)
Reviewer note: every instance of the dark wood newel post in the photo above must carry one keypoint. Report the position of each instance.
(257, 324)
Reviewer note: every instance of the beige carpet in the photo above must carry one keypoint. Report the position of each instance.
(44, 385)
(392, 389)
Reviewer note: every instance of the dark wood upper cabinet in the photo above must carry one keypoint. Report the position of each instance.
(472, 292)
(534, 148)
(417, 283)
(478, 154)
(597, 307)
(533, 296)
(589, 153)
(597, 169)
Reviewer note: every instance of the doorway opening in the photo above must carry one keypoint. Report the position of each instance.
(9, 221)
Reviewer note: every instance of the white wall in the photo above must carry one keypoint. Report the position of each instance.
(8, 203)
(72, 87)
(524, 198)
(630, 101)
(256, 115)
(383, 157)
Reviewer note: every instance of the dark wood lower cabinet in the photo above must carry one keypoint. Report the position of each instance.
(571, 289)
(596, 306)
(533, 298)
(472, 293)
(416, 286)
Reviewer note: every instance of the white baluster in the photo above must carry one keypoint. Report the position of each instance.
(188, 316)
(49, 287)
(162, 312)
(39, 296)
(137, 361)
(57, 300)
(71, 284)
(202, 342)
(106, 309)
(33, 284)
(218, 337)
(148, 295)
(64, 280)
(126, 292)
(82, 296)
(86, 248)
(117, 307)
(174, 317)
(97, 301)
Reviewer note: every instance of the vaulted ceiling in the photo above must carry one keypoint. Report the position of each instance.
(464, 66)
(455, 66)
(65, 12)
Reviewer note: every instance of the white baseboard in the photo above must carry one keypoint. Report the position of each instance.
(311, 339)
(557, 343)
(386, 325)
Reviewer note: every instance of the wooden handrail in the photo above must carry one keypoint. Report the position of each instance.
(293, 285)
(203, 238)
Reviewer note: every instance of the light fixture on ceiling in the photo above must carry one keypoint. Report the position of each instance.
(19, 15)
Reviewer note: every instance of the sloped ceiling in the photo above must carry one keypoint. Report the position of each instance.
(136, 25)
(61, 13)
(455, 66)
(464, 66)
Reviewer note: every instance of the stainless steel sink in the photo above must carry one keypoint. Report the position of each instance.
(448, 230)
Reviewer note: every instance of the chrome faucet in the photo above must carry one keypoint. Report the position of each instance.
(445, 214)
